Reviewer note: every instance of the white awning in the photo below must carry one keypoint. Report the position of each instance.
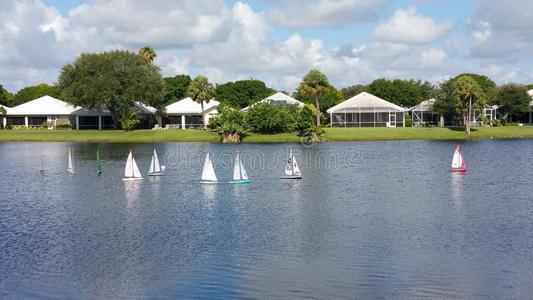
(187, 106)
(365, 102)
(278, 98)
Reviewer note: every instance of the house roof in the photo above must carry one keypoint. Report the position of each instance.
(426, 105)
(138, 107)
(188, 106)
(3, 106)
(278, 98)
(365, 102)
(43, 106)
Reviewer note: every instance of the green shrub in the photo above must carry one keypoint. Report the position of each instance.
(229, 123)
(63, 126)
(305, 118)
(269, 118)
(408, 120)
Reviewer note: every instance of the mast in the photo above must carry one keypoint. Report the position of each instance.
(98, 163)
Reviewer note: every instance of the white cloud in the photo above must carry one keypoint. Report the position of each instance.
(407, 26)
(482, 32)
(432, 57)
(320, 13)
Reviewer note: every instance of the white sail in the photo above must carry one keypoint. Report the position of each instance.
(131, 171)
(457, 160)
(295, 168)
(289, 167)
(155, 167)
(208, 173)
(70, 162)
(136, 172)
(244, 175)
(237, 174)
(128, 172)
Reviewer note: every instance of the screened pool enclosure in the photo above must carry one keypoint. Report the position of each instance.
(366, 110)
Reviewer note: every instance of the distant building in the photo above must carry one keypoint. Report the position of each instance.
(366, 110)
(422, 114)
(187, 113)
(279, 99)
(530, 92)
(49, 111)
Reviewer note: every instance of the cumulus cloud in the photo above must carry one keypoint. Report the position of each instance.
(320, 13)
(409, 27)
(235, 42)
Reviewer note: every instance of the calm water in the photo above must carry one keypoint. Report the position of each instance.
(369, 220)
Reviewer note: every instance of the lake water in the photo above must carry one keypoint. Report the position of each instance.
(369, 220)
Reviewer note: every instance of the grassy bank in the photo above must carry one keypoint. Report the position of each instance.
(332, 134)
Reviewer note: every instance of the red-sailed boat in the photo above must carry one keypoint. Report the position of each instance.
(458, 163)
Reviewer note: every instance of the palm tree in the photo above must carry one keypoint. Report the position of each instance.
(200, 91)
(468, 93)
(148, 53)
(314, 84)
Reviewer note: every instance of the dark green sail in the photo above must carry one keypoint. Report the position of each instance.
(98, 162)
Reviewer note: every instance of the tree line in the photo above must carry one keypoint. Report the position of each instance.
(114, 79)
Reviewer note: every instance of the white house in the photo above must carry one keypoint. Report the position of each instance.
(278, 98)
(423, 114)
(530, 92)
(366, 110)
(186, 113)
(51, 110)
(39, 111)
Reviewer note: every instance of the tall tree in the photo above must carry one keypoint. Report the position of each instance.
(5, 96)
(468, 95)
(349, 92)
(112, 80)
(33, 92)
(401, 92)
(512, 99)
(242, 93)
(175, 89)
(200, 90)
(314, 84)
(486, 84)
(148, 53)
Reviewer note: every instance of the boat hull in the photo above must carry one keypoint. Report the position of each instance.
(155, 174)
(132, 178)
(459, 170)
(71, 172)
(208, 182)
(240, 181)
(292, 177)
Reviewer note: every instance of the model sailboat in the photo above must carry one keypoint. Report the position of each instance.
(42, 164)
(155, 168)
(208, 173)
(458, 162)
(239, 173)
(132, 171)
(292, 171)
(70, 169)
(98, 162)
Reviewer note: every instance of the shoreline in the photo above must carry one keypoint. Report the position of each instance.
(331, 135)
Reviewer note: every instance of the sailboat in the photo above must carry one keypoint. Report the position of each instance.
(132, 171)
(458, 163)
(42, 164)
(208, 173)
(70, 169)
(239, 173)
(155, 168)
(98, 162)
(292, 171)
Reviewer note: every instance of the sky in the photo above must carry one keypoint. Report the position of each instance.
(351, 41)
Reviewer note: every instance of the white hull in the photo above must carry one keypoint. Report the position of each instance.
(208, 182)
(132, 179)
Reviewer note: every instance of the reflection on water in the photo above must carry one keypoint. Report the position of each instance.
(392, 224)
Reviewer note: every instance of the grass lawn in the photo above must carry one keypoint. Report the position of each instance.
(332, 134)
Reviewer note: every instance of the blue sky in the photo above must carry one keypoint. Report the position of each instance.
(351, 41)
